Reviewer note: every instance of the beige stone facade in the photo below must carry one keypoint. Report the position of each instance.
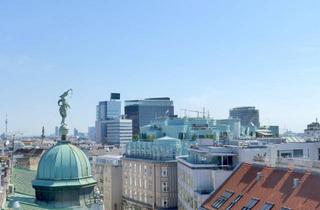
(149, 184)
(109, 180)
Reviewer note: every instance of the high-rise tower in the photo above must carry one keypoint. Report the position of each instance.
(6, 125)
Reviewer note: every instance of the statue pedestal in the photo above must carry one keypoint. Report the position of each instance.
(64, 130)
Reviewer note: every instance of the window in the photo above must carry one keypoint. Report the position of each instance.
(164, 171)
(222, 199)
(285, 208)
(297, 153)
(267, 206)
(234, 202)
(318, 153)
(286, 153)
(145, 184)
(145, 198)
(164, 186)
(164, 201)
(250, 204)
(145, 170)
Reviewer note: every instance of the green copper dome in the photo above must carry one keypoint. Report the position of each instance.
(64, 178)
(64, 165)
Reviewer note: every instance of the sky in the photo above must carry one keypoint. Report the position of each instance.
(202, 53)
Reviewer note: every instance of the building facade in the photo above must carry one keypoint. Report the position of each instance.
(108, 110)
(105, 111)
(142, 112)
(246, 115)
(313, 131)
(202, 172)
(119, 131)
(92, 133)
(109, 180)
(150, 174)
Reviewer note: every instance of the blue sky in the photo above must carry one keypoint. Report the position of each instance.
(201, 53)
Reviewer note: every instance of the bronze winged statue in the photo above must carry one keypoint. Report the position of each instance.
(64, 106)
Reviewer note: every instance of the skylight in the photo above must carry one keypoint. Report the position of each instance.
(250, 204)
(222, 199)
(267, 206)
(234, 202)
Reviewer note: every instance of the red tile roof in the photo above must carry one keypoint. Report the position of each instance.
(275, 186)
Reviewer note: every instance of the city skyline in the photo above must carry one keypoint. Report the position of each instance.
(200, 54)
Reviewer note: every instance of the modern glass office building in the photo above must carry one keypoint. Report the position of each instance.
(119, 131)
(246, 115)
(142, 112)
(107, 110)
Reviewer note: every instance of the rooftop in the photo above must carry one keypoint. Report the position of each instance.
(31, 152)
(244, 108)
(161, 149)
(159, 101)
(24, 193)
(22, 179)
(259, 187)
(27, 202)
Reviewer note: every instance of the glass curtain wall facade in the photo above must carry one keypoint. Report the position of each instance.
(142, 112)
(246, 115)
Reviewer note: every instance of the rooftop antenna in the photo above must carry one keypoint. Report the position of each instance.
(204, 113)
(316, 119)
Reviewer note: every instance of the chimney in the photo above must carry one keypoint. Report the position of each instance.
(296, 183)
(259, 176)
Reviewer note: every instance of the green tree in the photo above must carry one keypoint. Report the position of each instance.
(135, 137)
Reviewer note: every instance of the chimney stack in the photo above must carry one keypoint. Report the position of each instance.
(296, 182)
(259, 176)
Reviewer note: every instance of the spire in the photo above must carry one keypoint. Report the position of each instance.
(6, 125)
(42, 135)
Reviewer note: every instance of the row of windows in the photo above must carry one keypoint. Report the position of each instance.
(296, 153)
(143, 197)
(133, 182)
(146, 170)
(185, 177)
(187, 199)
(252, 202)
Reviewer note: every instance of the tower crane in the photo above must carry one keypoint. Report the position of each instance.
(187, 111)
